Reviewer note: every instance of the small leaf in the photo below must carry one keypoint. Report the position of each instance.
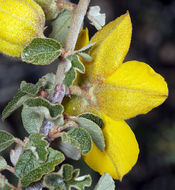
(29, 88)
(70, 147)
(85, 56)
(93, 118)
(16, 153)
(66, 178)
(53, 181)
(6, 139)
(32, 121)
(82, 137)
(105, 183)
(29, 170)
(3, 163)
(60, 26)
(4, 184)
(85, 49)
(37, 142)
(41, 51)
(70, 77)
(97, 19)
(41, 105)
(14, 104)
(94, 130)
(76, 63)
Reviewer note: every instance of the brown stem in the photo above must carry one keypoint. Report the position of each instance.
(20, 142)
(62, 4)
(11, 169)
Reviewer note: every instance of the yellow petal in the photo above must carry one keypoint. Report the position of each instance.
(135, 88)
(121, 152)
(112, 44)
(20, 22)
(83, 39)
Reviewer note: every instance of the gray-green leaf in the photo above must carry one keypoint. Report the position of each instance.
(6, 139)
(93, 118)
(14, 104)
(43, 106)
(70, 77)
(29, 170)
(94, 130)
(70, 147)
(60, 26)
(82, 137)
(38, 146)
(32, 121)
(3, 163)
(41, 51)
(105, 183)
(76, 63)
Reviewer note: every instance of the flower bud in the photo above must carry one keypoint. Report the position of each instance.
(20, 22)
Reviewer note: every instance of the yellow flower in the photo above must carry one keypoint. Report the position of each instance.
(116, 91)
(20, 22)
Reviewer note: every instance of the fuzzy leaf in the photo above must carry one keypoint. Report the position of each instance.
(38, 146)
(66, 178)
(76, 63)
(4, 185)
(14, 104)
(60, 26)
(70, 147)
(97, 19)
(41, 105)
(94, 130)
(6, 139)
(82, 137)
(93, 118)
(32, 121)
(41, 51)
(29, 88)
(85, 56)
(105, 183)
(16, 153)
(29, 170)
(3, 163)
(70, 77)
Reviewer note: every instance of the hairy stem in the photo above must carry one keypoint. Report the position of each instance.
(62, 4)
(77, 20)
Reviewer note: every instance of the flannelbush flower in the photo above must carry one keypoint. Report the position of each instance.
(116, 91)
(20, 22)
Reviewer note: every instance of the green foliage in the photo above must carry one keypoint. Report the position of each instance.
(6, 139)
(105, 183)
(70, 147)
(4, 185)
(32, 121)
(76, 65)
(38, 146)
(93, 118)
(83, 139)
(3, 163)
(60, 26)
(66, 178)
(14, 104)
(29, 170)
(41, 51)
(94, 130)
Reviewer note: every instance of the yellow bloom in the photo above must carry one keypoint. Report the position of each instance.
(117, 91)
(20, 22)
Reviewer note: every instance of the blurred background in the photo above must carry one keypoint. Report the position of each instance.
(153, 42)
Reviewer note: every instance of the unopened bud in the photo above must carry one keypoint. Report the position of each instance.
(20, 22)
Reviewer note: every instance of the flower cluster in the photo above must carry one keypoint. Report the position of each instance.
(117, 91)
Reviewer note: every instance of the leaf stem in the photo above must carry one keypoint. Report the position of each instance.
(19, 141)
(10, 168)
(62, 4)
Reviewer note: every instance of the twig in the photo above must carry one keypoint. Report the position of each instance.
(76, 24)
(62, 4)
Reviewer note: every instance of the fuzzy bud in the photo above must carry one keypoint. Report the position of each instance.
(20, 22)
